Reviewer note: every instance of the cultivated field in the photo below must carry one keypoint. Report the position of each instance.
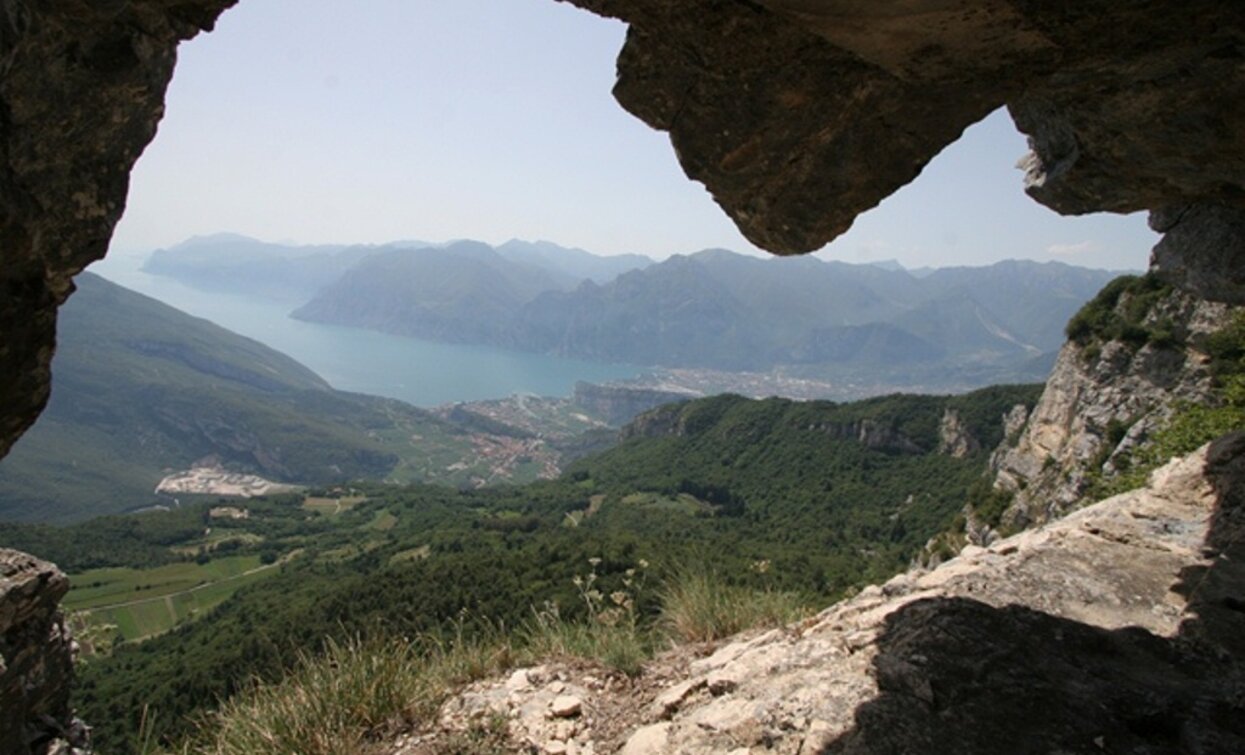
(140, 603)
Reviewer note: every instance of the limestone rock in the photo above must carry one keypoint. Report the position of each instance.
(954, 439)
(544, 712)
(565, 706)
(36, 660)
(646, 740)
(1050, 462)
(670, 700)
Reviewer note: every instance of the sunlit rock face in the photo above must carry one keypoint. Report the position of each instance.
(1067, 441)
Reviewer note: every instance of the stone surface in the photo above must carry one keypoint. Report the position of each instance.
(36, 659)
(1202, 251)
(954, 439)
(1115, 629)
(565, 706)
(1048, 465)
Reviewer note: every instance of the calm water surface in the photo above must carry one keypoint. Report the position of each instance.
(420, 372)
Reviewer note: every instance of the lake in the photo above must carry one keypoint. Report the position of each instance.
(420, 372)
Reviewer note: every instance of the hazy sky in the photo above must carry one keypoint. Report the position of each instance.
(328, 121)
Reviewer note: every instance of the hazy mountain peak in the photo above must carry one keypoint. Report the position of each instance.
(222, 237)
(471, 248)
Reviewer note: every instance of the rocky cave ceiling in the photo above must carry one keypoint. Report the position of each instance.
(797, 115)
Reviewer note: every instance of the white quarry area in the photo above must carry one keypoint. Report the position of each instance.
(216, 480)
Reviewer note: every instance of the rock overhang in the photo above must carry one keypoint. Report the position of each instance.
(798, 115)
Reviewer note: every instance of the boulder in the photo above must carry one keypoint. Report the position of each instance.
(36, 660)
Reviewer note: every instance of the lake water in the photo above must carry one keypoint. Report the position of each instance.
(350, 359)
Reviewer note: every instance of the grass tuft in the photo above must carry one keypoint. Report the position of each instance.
(620, 645)
(697, 605)
(355, 691)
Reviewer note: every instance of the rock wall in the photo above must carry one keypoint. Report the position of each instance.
(954, 438)
(1113, 630)
(36, 660)
(1066, 440)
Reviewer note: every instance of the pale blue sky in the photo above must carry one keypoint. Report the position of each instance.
(329, 121)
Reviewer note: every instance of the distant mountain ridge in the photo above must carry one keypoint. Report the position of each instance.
(465, 292)
(720, 310)
(868, 324)
(573, 262)
(294, 273)
(234, 263)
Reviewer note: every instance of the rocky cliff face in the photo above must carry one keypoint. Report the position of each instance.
(954, 438)
(36, 660)
(1113, 630)
(1069, 435)
(1106, 397)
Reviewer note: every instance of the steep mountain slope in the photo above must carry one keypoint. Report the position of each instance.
(711, 309)
(747, 313)
(141, 388)
(465, 292)
(666, 313)
(1149, 371)
(961, 326)
(1031, 301)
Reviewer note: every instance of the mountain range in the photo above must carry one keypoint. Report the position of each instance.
(877, 326)
(294, 273)
(717, 309)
